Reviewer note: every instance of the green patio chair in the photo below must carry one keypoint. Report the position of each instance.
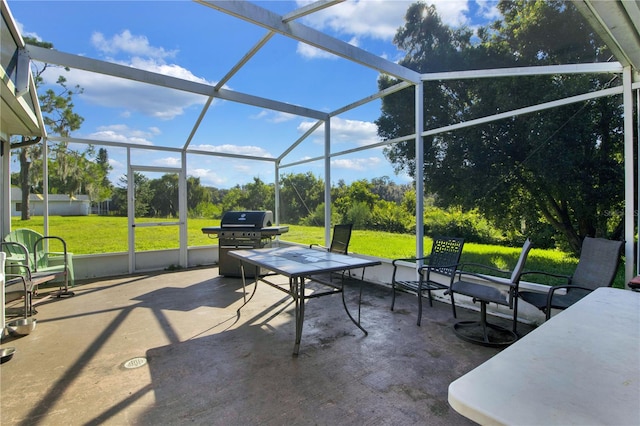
(42, 260)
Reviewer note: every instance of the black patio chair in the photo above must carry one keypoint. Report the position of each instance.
(597, 267)
(339, 240)
(442, 262)
(489, 289)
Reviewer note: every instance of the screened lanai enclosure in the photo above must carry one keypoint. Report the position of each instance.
(195, 133)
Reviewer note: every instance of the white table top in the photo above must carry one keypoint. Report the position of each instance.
(299, 261)
(581, 367)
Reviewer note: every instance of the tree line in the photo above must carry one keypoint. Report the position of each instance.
(378, 204)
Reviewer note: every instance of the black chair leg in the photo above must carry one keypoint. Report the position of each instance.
(419, 308)
(483, 332)
(393, 297)
(453, 303)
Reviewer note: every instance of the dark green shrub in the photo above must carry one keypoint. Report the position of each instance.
(390, 217)
(455, 223)
(359, 214)
(316, 218)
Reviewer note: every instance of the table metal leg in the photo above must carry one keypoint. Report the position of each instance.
(344, 303)
(244, 286)
(298, 296)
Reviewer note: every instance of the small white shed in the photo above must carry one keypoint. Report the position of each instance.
(59, 204)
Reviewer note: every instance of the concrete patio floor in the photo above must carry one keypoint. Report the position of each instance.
(206, 364)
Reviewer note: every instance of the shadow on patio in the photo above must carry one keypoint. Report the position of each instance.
(208, 365)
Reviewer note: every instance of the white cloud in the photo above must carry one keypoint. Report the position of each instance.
(377, 19)
(358, 132)
(380, 19)
(116, 164)
(244, 169)
(131, 96)
(259, 116)
(249, 150)
(273, 116)
(374, 19)
(453, 13)
(233, 172)
(208, 177)
(123, 133)
(489, 9)
(128, 95)
(357, 164)
(310, 52)
(27, 33)
(168, 162)
(129, 43)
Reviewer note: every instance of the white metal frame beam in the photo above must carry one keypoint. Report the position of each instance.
(107, 68)
(618, 24)
(590, 68)
(273, 22)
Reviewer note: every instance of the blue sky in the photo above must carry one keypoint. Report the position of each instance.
(188, 40)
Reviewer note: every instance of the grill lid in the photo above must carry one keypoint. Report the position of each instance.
(247, 219)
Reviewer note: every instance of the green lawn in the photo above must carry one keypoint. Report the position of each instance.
(106, 234)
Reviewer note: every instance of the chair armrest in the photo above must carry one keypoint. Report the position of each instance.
(19, 265)
(45, 254)
(14, 246)
(318, 245)
(501, 281)
(11, 279)
(409, 259)
(553, 289)
(51, 237)
(461, 271)
(404, 259)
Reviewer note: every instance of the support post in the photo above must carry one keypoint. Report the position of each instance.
(419, 172)
(327, 182)
(629, 214)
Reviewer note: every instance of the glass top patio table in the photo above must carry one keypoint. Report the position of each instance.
(300, 264)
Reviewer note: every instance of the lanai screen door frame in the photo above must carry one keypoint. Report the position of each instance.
(182, 208)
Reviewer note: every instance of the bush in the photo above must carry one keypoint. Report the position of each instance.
(456, 223)
(206, 210)
(359, 214)
(390, 217)
(316, 218)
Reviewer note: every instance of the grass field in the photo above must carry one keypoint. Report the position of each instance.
(107, 234)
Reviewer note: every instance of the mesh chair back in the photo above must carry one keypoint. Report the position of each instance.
(515, 277)
(340, 239)
(517, 271)
(445, 255)
(598, 264)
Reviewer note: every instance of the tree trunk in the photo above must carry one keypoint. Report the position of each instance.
(25, 165)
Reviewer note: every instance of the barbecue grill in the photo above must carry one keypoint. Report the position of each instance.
(241, 230)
